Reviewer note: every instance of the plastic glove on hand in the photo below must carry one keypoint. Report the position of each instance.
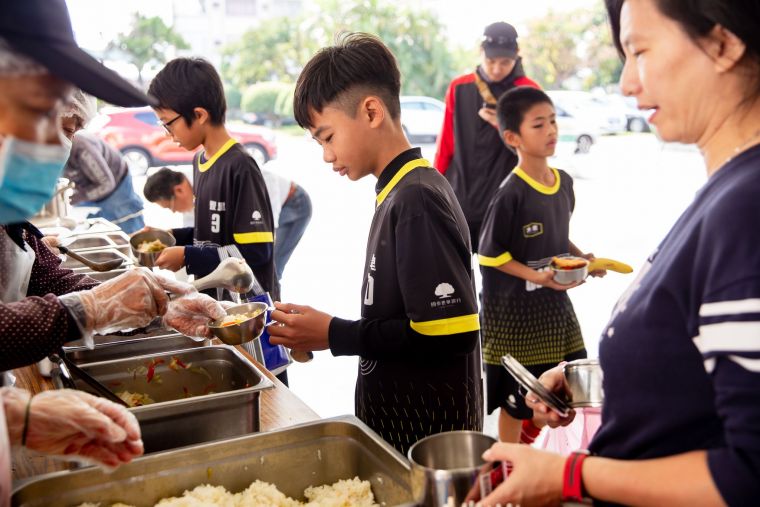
(191, 314)
(130, 300)
(73, 424)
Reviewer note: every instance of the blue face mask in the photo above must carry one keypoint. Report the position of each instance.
(28, 176)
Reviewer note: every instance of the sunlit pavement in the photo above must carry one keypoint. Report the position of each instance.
(629, 190)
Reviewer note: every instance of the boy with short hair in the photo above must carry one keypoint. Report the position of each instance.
(233, 215)
(525, 312)
(420, 365)
(291, 206)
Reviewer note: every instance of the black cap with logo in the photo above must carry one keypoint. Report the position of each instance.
(500, 40)
(41, 29)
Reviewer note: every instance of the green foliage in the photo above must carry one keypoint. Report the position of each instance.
(262, 99)
(560, 46)
(233, 96)
(148, 42)
(284, 105)
(278, 49)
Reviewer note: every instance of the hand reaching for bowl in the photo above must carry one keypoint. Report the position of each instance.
(554, 381)
(301, 328)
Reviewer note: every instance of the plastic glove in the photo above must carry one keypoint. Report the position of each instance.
(73, 424)
(129, 301)
(191, 314)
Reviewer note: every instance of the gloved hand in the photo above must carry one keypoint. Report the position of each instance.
(128, 301)
(73, 424)
(191, 314)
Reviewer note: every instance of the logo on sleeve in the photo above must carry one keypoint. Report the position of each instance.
(533, 229)
(445, 291)
(256, 216)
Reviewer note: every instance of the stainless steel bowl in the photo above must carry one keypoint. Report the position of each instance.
(568, 276)
(446, 467)
(246, 331)
(584, 380)
(149, 259)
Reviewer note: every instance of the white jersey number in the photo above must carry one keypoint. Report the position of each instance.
(215, 222)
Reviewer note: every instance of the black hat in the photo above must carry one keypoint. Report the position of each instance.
(41, 29)
(500, 40)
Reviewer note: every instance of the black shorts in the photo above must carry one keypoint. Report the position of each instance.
(502, 389)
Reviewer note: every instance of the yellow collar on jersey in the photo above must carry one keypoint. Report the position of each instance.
(205, 166)
(405, 169)
(535, 184)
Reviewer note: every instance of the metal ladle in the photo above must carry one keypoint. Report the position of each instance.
(93, 265)
(232, 274)
(236, 276)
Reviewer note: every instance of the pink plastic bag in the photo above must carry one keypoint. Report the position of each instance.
(577, 435)
(5, 462)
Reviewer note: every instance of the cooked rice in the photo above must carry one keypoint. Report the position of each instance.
(344, 493)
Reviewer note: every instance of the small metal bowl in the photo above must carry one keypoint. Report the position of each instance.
(148, 259)
(584, 380)
(568, 276)
(246, 331)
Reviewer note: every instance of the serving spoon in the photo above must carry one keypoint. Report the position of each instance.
(93, 265)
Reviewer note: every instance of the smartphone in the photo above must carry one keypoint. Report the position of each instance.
(489, 106)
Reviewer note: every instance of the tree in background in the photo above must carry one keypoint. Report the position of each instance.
(278, 49)
(560, 47)
(148, 42)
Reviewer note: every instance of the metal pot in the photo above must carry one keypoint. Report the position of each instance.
(584, 380)
(59, 205)
(446, 467)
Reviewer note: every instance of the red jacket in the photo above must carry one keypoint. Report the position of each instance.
(470, 151)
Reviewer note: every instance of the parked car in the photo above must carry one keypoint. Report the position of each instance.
(421, 117)
(137, 133)
(608, 118)
(578, 130)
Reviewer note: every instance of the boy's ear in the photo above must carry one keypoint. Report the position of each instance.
(373, 110)
(201, 115)
(511, 138)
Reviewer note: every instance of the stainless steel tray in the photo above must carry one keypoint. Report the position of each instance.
(294, 458)
(183, 414)
(111, 347)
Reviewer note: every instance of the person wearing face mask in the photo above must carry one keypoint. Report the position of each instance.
(42, 305)
(99, 172)
(470, 152)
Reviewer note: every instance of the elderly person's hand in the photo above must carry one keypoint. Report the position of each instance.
(535, 480)
(130, 300)
(52, 242)
(191, 314)
(554, 381)
(72, 423)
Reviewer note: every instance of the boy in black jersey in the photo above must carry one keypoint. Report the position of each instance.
(417, 338)
(233, 216)
(525, 312)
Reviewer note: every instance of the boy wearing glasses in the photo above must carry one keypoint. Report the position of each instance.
(470, 152)
(233, 215)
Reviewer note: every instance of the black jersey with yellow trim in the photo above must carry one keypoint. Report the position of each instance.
(417, 274)
(526, 221)
(418, 256)
(232, 207)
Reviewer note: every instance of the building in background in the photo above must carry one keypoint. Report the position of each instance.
(209, 25)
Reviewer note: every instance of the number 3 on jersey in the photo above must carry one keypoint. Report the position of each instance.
(215, 222)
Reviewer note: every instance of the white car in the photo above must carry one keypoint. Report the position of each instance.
(609, 119)
(421, 117)
(581, 132)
